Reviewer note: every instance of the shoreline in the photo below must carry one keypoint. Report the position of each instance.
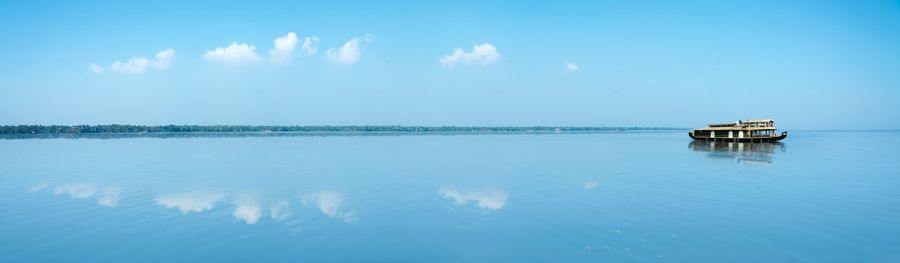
(177, 135)
(144, 129)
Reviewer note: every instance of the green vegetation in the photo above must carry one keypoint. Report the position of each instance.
(141, 129)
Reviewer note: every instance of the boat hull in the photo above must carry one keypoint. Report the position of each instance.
(745, 139)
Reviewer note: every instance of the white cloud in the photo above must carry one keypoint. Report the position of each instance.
(329, 202)
(78, 191)
(96, 69)
(189, 202)
(135, 65)
(284, 48)
(138, 65)
(349, 52)
(163, 59)
(109, 196)
(483, 54)
(247, 209)
(309, 45)
(488, 198)
(570, 66)
(279, 210)
(233, 54)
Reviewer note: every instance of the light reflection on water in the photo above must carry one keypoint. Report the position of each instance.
(523, 198)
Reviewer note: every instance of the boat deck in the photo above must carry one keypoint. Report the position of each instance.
(740, 139)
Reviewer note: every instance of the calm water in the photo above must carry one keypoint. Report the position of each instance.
(632, 197)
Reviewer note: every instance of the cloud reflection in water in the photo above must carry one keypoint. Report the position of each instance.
(486, 198)
(247, 209)
(590, 185)
(279, 210)
(38, 187)
(77, 191)
(109, 196)
(329, 202)
(189, 202)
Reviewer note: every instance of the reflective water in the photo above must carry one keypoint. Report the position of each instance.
(628, 197)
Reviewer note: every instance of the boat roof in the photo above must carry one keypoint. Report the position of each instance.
(738, 123)
(760, 120)
(735, 128)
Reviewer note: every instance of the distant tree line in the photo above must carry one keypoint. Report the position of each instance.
(117, 128)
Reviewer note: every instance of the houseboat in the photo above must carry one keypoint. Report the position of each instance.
(739, 131)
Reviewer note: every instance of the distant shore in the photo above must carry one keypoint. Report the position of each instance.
(269, 129)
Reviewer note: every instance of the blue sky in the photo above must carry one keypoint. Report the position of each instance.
(808, 64)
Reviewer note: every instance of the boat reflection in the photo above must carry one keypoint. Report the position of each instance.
(742, 153)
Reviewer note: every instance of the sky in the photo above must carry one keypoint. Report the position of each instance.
(807, 64)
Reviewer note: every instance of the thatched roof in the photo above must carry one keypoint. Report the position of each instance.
(760, 120)
(736, 128)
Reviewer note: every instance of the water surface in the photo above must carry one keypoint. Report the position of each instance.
(618, 197)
